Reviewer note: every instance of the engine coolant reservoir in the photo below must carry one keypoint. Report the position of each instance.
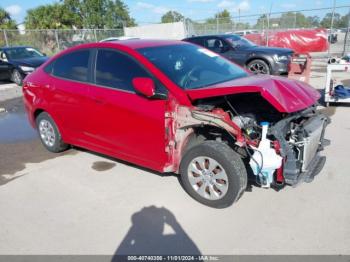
(265, 158)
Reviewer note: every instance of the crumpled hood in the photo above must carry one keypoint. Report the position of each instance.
(284, 94)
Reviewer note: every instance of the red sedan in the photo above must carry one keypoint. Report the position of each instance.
(176, 107)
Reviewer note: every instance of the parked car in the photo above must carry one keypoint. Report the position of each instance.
(172, 106)
(246, 32)
(257, 59)
(20, 61)
(5, 70)
(120, 38)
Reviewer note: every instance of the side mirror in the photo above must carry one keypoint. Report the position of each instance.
(144, 86)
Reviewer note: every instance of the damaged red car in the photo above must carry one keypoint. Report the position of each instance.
(172, 106)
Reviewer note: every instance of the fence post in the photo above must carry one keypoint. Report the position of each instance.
(124, 25)
(58, 43)
(347, 37)
(94, 30)
(331, 29)
(217, 24)
(267, 30)
(6, 40)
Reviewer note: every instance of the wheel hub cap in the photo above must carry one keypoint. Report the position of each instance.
(47, 133)
(208, 178)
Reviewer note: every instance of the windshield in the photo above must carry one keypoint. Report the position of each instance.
(22, 52)
(238, 41)
(191, 66)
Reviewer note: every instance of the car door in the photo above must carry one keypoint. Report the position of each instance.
(220, 46)
(68, 94)
(5, 70)
(235, 54)
(128, 125)
(216, 45)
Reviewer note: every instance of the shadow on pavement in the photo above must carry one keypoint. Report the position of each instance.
(146, 235)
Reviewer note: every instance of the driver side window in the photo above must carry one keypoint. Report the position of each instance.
(117, 70)
(215, 44)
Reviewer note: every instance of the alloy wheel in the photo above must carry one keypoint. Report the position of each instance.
(47, 133)
(258, 68)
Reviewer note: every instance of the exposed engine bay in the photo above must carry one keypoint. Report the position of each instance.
(282, 148)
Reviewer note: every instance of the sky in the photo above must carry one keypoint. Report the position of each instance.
(150, 11)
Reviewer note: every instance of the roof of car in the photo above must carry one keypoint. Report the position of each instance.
(12, 47)
(142, 43)
(219, 35)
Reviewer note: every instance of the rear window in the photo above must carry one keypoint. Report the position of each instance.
(73, 66)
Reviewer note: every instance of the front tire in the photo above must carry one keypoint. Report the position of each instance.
(17, 77)
(49, 134)
(213, 174)
(259, 66)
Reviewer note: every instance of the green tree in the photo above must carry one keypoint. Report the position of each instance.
(294, 20)
(242, 26)
(171, 17)
(327, 20)
(261, 23)
(344, 21)
(6, 22)
(55, 16)
(313, 21)
(223, 17)
(98, 14)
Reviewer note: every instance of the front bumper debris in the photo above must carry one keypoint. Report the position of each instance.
(302, 161)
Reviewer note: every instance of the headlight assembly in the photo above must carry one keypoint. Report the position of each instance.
(281, 58)
(27, 68)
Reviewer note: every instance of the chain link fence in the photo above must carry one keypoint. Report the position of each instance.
(53, 41)
(271, 21)
(265, 23)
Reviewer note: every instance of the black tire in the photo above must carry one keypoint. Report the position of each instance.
(16, 77)
(259, 66)
(58, 144)
(230, 161)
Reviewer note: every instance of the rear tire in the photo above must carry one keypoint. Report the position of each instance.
(213, 174)
(49, 134)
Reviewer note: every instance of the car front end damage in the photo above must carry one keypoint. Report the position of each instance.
(297, 138)
(300, 138)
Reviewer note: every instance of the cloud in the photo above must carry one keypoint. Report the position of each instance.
(242, 6)
(153, 8)
(318, 3)
(14, 10)
(288, 5)
(226, 4)
(200, 1)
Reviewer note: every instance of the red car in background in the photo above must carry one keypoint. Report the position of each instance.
(175, 107)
